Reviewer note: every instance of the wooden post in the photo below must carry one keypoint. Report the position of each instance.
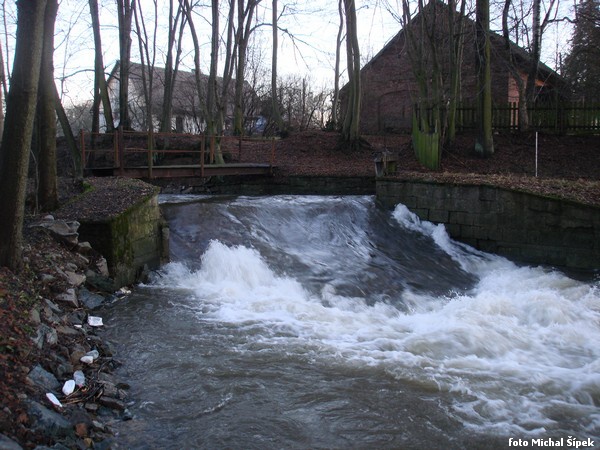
(212, 149)
(240, 149)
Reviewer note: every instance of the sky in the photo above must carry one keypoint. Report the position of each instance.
(310, 52)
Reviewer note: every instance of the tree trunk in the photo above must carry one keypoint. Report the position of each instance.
(336, 78)
(244, 30)
(456, 26)
(46, 113)
(100, 88)
(125, 15)
(69, 137)
(171, 68)
(274, 100)
(535, 51)
(351, 126)
(16, 140)
(485, 142)
(513, 67)
(2, 91)
(211, 90)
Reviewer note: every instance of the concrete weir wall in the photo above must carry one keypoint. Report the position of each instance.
(132, 242)
(521, 226)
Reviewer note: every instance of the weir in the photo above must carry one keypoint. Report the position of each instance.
(327, 322)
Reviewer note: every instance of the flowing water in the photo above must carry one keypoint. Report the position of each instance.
(300, 322)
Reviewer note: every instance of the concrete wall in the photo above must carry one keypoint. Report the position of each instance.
(131, 242)
(520, 226)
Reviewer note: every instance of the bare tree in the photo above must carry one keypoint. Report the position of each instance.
(147, 58)
(46, 116)
(125, 11)
(336, 76)
(171, 65)
(484, 146)
(16, 140)
(351, 125)
(100, 88)
(276, 113)
(244, 30)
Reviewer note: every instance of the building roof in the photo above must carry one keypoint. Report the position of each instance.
(522, 56)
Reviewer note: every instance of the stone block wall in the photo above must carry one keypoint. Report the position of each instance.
(521, 226)
(131, 242)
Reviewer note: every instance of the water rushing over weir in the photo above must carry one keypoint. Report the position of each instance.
(325, 322)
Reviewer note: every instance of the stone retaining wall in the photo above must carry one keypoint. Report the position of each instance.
(131, 242)
(521, 226)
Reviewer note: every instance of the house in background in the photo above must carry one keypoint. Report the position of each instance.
(187, 105)
(389, 88)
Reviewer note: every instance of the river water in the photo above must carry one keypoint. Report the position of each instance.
(297, 322)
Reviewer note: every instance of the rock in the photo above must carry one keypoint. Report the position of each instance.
(81, 430)
(69, 297)
(53, 306)
(76, 317)
(51, 337)
(46, 278)
(43, 378)
(8, 444)
(61, 230)
(74, 279)
(100, 282)
(76, 353)
(34, 315)
(91, 407)
(89, 299)
(48, 422)
(68, 331)
(112, 403)
(45, 335)
(84, 248)
(98, 426)
(102, 267)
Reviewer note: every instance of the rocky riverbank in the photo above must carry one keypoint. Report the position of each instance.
(56, 367)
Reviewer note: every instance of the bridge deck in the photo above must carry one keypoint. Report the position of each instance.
(189, 170)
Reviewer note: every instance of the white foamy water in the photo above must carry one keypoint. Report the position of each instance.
(521, 350)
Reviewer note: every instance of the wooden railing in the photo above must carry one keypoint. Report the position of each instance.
(133, 152)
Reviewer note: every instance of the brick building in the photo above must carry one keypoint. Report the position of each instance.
(389, 86)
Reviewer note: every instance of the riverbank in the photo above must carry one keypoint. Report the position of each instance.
(52, 342)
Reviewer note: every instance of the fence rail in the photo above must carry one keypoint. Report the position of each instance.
(154, 155)
(567, 117)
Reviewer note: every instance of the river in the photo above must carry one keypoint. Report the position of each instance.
(297, 322)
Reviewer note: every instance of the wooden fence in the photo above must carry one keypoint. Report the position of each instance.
(567, 117)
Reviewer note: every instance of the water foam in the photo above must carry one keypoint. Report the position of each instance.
(521, 349)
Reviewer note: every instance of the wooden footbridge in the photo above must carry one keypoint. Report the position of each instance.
(174, 155)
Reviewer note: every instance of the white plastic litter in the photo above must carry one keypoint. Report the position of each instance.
(54, 400)
(68, 387)
(94, 321)
(79, 378)
(86, 359)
